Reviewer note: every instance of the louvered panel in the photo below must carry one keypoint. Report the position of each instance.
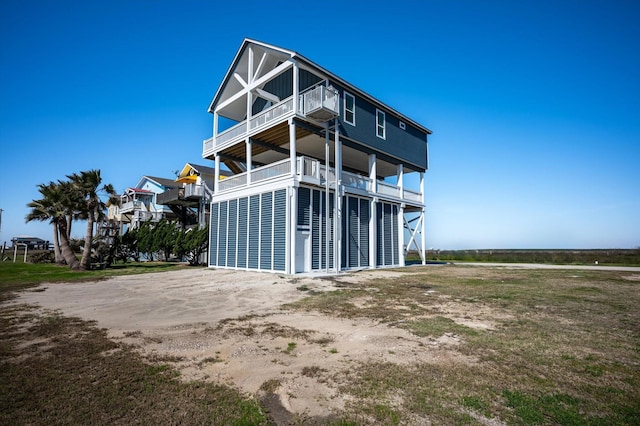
(222, 235)
(344, 239)
(354, 236)
(394, 235)
(331, 231)
(388, 234)
(243, 225)
(315, 229)
(213, 236)
(304, 208)
(363, 243)
(254, 231)
(266, 227)
(379, 235)
(280, 230)
(232, 233)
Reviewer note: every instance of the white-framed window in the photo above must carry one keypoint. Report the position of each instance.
(403, 126)
(381, 126)
(349, 108)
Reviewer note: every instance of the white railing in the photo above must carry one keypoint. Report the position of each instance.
(312, 168)
(129, 206)
(193, 190)
(232, 182)
(321, 100)
(413, 195)
(207, 145)
(272, 114)
(231, 133)
(356, 181)
(388, 189)
(270, 171)
(260, 174)
(309, 167)
(239, 130)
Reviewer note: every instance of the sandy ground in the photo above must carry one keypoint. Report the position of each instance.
(228, 327)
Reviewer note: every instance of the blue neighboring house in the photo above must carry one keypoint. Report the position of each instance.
(320, 169)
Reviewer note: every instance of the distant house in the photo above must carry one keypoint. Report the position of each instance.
(319, 166)
(138, 204)
(32, 243)
(190, 200)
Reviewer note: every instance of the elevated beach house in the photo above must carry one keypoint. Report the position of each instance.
(139, 204)
(321, 170)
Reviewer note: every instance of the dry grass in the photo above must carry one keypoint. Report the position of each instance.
(535, 347)
(58, 370)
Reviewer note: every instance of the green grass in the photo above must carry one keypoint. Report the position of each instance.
(17, 276)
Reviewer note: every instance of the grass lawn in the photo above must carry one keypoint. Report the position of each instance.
(563, 346)
(526, 347)
(60, 370)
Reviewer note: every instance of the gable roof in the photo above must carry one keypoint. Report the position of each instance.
(190, 171)
(290, 54)
(166, 183)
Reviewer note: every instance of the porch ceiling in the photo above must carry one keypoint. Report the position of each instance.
(309, 144)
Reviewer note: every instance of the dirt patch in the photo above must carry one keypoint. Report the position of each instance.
(228, 327)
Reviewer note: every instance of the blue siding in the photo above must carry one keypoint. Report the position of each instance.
(304, 206)
(409, 145)
(387, 234)
(232, 238)
(243, 225)
(222, 238)
(315, 230)
(213, 241)
(280, 230)
(266, 218)
(363, 244)
(281, 86)
(254, 231)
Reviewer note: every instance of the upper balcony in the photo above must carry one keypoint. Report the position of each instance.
(188, 194)
(318, 103)
(314, 172)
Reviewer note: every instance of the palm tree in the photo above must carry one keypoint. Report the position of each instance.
(54, 206)
(86, 186)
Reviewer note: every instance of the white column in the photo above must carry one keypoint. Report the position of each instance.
(423, 237)
(400, 226)
(293, 230)
(296, 88)
(327, 196)
(215, 127)
(216, 176)
(401, 179)
(292, 146)
(337, 245)
(249, 160)
(373, 232)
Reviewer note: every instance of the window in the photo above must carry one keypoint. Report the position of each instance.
(403, 126)
(380, 124)
(349, 108)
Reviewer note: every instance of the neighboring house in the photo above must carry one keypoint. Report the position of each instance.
(139, 205)
(191, 198)
(321, 170)
(30, 242)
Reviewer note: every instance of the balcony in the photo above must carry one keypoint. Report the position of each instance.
(320, 103)
(189, 193)
(258, 122)
(314, 172)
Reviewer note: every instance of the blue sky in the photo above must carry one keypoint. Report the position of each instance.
(534, 105)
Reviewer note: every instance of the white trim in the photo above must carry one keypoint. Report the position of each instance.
(382, 126)
(353, 111)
